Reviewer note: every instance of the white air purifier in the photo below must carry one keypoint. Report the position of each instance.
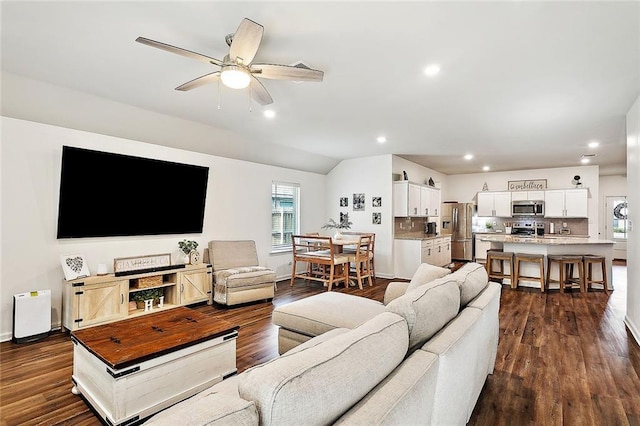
(31, 316)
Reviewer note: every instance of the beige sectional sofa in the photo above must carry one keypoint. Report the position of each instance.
(421, 358)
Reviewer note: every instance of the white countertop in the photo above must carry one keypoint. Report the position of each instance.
(547, 240)
(420, 237)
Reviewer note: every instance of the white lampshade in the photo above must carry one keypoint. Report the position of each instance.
(235, 77)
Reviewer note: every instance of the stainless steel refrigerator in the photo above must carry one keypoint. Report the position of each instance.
(456, 221)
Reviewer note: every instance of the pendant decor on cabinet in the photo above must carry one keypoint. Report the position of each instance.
(485, 187)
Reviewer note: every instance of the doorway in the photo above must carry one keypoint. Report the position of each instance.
(615, 225)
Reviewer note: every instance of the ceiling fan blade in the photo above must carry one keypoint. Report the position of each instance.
(286, 72)
(246, 41)
(259, 92)
(178, 50)
(200, 81)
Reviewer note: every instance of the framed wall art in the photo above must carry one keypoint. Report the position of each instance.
(376, 201)
(358, 202)
(376, 218)
(74, 266)
(344, 201)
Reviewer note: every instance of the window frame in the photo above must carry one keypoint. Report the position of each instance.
(289, 188)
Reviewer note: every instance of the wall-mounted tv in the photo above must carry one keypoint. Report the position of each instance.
(106, 195)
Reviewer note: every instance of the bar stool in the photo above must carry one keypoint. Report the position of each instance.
(533, 258)
(501, 257)
(589, 260)
(564, 277)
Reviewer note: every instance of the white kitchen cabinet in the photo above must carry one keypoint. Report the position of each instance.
(406, 199)
(494, 204)
(407, 257)
(481, 248)
(441, 251)
(412, 199)
(566, 203)
(527, 195)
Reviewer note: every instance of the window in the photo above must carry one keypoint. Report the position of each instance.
(618, 216)
(285, 211)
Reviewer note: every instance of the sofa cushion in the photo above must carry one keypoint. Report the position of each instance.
(318, 384)
(209, 408)
(472, 279)
(232, 254)
(325, 311)
(425, 274)
(404, 397)
(427, 308)
(246, 276)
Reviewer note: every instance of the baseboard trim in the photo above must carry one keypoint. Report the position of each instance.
(6, 337)
(635, 331)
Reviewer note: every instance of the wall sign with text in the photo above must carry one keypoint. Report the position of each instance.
(527, 185)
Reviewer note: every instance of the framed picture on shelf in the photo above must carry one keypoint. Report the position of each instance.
(344, 201)
(358, 202)
(376, 201)
(74, 266)
(376, 218)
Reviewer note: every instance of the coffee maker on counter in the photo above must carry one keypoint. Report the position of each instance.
(430, 228)
(540, 229)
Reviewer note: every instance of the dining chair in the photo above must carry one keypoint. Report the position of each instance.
(361, 260)
(373, 250)
(305, 250)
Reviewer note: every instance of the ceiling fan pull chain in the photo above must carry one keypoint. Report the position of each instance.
(250, 94)
(218, 93)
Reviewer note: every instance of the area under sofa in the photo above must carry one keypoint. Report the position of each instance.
(421, 357)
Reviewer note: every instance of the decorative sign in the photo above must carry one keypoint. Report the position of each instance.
(527, 185)
(125, 264)
(74, 266)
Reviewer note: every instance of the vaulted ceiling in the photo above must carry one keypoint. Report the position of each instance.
(521, 84)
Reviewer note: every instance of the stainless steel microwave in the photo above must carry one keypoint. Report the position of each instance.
(527, 208)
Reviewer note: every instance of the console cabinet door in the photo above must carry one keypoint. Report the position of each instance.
(99, 303)
(195, 286)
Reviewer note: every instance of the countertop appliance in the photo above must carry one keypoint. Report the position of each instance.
(527, 208)
(456, 221)
(540, 229)
(431, 228)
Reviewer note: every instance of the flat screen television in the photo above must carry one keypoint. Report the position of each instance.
(106, 195)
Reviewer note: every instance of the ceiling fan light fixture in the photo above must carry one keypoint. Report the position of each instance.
(235, 77)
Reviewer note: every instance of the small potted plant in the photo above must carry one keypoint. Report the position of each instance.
(345, 223)
(187, 247)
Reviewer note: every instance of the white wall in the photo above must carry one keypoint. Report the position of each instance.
(371, 176)
(463, 188)
(238, 207)
(632, 318)
(418, 173)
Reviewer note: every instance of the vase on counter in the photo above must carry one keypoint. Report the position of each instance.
(337, 235)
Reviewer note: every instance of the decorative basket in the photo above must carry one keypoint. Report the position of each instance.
(147, 282)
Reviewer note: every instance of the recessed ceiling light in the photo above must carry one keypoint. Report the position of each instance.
(432, 70)
(468, 156)
(269, 113)
(594, 144)
(584, 160)
(381, 139)
(486, 168)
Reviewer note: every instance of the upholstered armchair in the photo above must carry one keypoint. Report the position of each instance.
(237, 276)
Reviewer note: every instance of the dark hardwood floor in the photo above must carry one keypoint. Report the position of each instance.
(562, 359)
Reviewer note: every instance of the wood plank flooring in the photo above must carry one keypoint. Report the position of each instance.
(562, 359)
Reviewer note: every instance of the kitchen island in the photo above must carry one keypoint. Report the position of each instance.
(554, 245)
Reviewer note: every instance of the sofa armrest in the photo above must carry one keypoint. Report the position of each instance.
(394, 290)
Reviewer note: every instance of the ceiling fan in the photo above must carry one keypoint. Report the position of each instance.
(236, 69)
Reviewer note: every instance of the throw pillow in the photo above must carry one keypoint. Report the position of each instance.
(425, 274)
(472, 279)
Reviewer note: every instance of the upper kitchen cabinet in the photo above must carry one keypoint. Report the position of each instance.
(527, 195)
(494, 204)
(412, 199)
(566, 203)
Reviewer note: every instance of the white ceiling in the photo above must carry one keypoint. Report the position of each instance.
(523, 84)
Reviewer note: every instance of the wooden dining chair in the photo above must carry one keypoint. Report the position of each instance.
(336, 263)
(373, 250)
(361, 260)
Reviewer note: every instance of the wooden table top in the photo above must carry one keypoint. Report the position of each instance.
(131, 341)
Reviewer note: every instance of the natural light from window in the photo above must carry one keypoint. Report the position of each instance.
(285, 212)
